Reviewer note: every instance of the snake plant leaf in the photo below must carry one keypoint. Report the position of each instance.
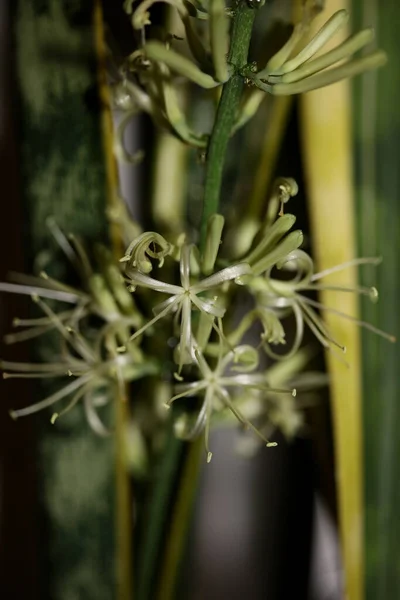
(328, 161)
(62, 175)
(376, 147)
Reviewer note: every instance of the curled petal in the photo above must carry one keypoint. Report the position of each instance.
(148, 245)
(120, 150)
(298, 315)
(129, 96)
(274, 332)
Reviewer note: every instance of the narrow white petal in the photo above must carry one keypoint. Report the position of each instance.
(145, 281)
(184, 266)
(221, 277)
(207, 306)
(163, 305)
(185, 355)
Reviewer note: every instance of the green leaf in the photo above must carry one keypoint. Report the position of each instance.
(376, 147)
(62, 175)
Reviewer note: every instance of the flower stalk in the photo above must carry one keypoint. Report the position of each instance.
(227, 111)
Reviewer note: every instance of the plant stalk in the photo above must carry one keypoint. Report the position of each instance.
(227, 111)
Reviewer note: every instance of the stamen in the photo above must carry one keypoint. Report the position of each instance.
(324, 342)
(34, 367)
(312, 315)
(192, 391)
(21, 336)
(62, 240)
(371, 292)
(31, 290)
(387, 336)
(87, 270)
(30, 375)
(17, 322)
(68, 389)
(77, 342)
(160, 315)
(70, 405)
(241, 418)
(355, 262)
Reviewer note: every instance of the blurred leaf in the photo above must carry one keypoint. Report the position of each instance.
(377, 145)
(326, 132)
(61, 166)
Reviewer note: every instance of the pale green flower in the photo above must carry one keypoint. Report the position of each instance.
(233, 373)
(186, 297)
(288, 297)
(95, 367)
(103, 292)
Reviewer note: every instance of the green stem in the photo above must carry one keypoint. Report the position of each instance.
(157, 515)
(227, 111)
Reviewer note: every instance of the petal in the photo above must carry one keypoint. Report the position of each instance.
(208, 306)
(184, 266)
(185, 344)
(162, 305)
(221, 277)
(145, 281)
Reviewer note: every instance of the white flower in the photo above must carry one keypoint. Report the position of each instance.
(186, 297)
(233, 371)
(95, 368)
(287, 297)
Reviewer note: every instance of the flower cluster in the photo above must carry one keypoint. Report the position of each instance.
(217, 370)
(86, 337)
(149, 80)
